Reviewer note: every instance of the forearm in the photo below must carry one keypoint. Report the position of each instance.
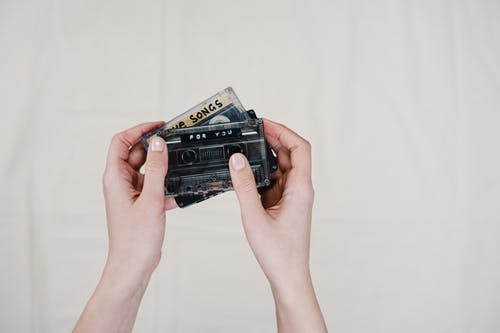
(113, 306)
(297, 308)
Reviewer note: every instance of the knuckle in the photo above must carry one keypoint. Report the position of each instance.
(155, 259)
(115, 138)
(247, 187)
(311, 193)
(307, 193)
(246, 183)
(307, 145)
(155, 166)
(106, 180)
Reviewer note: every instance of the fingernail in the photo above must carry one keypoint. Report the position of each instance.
(157, 144)
(237, 162)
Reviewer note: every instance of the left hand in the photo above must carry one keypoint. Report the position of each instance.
(135, 210)
(135, 204)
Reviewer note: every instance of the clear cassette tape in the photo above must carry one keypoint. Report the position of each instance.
(223, 107)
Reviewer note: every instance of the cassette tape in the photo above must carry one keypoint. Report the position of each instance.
(200, 142)
(223, 107)
(198, 157)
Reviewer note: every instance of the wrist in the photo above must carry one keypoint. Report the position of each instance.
(291, 287)
(124, 281)
(297, 308)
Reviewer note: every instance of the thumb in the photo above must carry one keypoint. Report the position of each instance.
(244, 186)
(155, 169)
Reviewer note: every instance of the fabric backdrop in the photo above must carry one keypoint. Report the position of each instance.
(400, 100)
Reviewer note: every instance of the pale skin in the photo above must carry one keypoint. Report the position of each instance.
(277, 225)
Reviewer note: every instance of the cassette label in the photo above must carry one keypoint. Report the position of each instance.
(210, 135)
(221, 108)
(203, 112)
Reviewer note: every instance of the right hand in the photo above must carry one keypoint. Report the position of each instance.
(278, 223)
(278, 227)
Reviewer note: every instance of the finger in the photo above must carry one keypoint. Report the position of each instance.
(283, 156)
(119, 182)
(271, 195)
(137, 156)
(245, 187)
(277, 174)
(121, 142)
(138, 181)
(155, 170)
(280, 136)
(170, 204)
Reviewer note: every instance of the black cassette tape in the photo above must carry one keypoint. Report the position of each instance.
(200, 143)
(198, 157)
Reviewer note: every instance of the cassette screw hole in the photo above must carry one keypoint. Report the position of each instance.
(188, 156)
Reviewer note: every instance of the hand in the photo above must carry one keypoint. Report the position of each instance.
(278, 225)
(135, 203)
(135, 210)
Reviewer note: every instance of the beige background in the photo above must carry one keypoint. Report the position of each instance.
(400, 99)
